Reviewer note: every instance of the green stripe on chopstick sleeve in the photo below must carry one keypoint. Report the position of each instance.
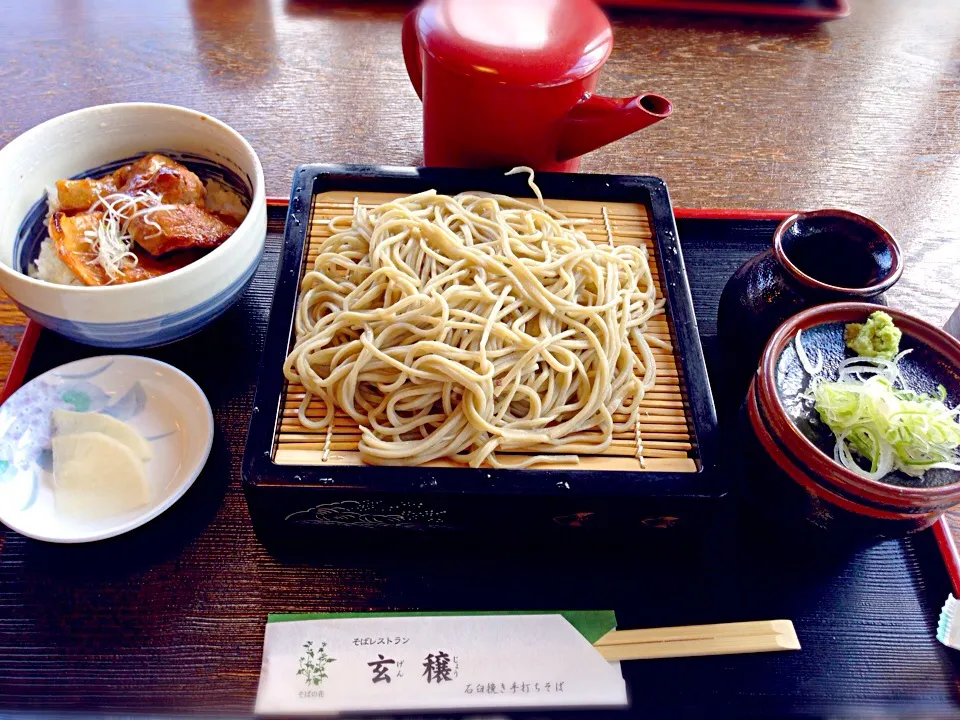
(592, 624)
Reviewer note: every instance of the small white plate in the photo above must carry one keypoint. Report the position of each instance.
(166, 406)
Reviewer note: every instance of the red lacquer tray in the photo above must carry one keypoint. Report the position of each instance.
(813, 10)
(868, 616)
(941, 529)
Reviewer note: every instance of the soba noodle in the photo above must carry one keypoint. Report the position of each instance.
(470, 326)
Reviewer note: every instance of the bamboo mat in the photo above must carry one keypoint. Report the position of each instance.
(664, 426)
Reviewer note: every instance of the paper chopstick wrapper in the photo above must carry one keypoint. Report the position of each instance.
(434, 662)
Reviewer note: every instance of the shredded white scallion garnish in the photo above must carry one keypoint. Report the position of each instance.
(876, 417)
(810, 368)
(111, 240)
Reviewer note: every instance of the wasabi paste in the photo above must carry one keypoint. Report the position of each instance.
(878, 337)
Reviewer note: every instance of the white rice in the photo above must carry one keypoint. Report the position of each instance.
(48, 266)
(222, 200)
(53, 200)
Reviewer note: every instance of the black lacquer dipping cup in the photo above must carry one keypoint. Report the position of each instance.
(792, 476)
(815, 258)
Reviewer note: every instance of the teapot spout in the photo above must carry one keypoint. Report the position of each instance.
(597, 120)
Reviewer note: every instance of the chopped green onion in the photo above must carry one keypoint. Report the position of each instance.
(875, 417)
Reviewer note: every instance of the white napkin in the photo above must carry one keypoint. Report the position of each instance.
(948, 629)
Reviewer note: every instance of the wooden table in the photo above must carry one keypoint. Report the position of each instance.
(861, 113)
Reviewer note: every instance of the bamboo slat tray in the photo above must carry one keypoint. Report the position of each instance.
(662, 440)
(289, 484)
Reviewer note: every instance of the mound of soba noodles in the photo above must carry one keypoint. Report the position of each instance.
(472, 326)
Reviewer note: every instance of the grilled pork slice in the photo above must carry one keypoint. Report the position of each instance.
(178, 228)
(78, 195)
(172, 181)
(77, 252)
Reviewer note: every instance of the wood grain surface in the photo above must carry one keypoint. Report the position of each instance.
(863, 113)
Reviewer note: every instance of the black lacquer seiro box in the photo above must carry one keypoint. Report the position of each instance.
(292, 486)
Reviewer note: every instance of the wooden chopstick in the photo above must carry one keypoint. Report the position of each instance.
(691, 640)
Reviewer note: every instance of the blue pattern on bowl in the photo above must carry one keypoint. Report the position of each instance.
(152, 331)
(86, 375)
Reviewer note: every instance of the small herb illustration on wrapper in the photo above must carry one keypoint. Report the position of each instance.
(313, 663)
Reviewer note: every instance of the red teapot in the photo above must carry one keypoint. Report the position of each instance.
(510, 82)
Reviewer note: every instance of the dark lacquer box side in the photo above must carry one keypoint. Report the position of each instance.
(476, 500)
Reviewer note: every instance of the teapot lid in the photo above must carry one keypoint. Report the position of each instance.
(517, 42)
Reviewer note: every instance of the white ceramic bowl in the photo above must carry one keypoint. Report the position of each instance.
(151, 312)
